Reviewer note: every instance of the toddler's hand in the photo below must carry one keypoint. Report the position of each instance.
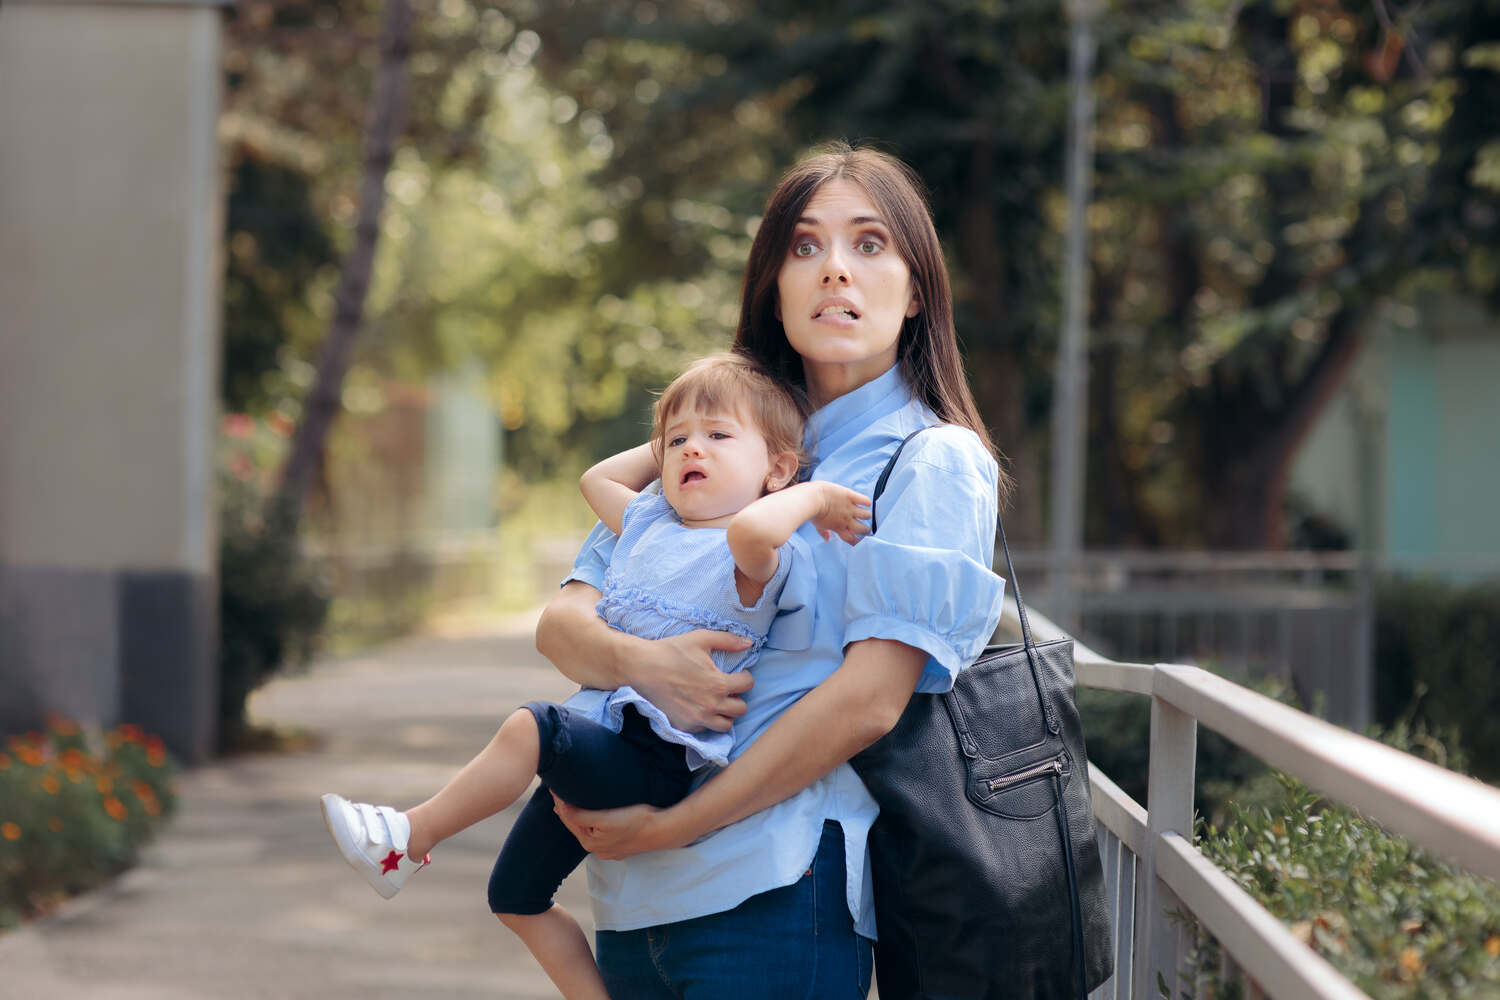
(844, 513)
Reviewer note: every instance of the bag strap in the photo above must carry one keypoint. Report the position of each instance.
(1075, 908)
(1010, 569)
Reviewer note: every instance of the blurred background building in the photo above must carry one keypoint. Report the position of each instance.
(110, 234)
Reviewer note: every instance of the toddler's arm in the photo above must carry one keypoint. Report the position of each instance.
(758, 531)
(610, 485)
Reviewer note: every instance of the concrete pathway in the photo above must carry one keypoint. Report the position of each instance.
(244, 895)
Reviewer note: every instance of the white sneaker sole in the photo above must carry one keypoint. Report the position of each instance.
(333, 818)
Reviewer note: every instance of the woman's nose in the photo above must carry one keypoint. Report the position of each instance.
(834, 270)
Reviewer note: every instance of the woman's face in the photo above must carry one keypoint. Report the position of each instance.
(843, 291)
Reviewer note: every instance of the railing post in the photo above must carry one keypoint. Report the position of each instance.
(1169, 809)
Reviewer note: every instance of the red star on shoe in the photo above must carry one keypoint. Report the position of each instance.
(391, 861)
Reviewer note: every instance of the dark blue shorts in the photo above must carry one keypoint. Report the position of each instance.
(590, 766)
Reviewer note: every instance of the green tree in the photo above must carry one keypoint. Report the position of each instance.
(1272, 171)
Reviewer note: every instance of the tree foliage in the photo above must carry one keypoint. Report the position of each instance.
(575, 193)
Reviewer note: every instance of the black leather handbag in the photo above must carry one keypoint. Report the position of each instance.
(987, 878)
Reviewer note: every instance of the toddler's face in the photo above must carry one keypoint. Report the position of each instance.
(714, 464)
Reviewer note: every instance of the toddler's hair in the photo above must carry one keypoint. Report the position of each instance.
(734, 382)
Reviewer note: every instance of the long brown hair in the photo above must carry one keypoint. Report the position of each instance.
(928, 347)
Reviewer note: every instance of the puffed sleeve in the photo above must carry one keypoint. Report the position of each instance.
(593, 557)
(924, 578)
(792, 628)
(648, 507)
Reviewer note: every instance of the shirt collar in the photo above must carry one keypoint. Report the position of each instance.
(838, 421)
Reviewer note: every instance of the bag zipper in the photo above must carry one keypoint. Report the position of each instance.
(1054, 766)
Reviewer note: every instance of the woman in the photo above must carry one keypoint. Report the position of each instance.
(756, 884)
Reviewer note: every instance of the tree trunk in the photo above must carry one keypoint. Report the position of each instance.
(387, 112)
(1244, 495)
(996, 372)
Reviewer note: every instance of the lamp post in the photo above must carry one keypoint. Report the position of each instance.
(1070, 397)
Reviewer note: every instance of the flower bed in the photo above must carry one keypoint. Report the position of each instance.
(75, 809)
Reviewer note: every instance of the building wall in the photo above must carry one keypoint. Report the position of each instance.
(110, 218)
(1422, 399)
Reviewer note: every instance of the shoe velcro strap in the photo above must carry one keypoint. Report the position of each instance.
(378, 828)
(388, 816)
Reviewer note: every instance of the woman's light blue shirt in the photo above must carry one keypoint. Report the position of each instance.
(924, 580)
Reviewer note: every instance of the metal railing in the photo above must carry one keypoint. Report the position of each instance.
(1305, 618)
(1152, 868)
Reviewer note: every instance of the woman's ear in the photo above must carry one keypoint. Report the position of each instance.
(783, 471)
(915, 306)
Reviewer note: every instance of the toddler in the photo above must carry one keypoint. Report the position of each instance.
(716, 549)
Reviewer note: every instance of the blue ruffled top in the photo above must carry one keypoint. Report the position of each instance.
(665, 579)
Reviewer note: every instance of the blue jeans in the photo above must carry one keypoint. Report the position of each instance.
(589, 766)
(794, 942)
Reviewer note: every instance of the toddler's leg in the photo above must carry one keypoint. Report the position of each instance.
(386, 846)
(494, 779)
(558, 944)
(538, 854)
(587, 764)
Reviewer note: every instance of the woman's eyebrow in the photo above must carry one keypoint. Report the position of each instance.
(858, 220)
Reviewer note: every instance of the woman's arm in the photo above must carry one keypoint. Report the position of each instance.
(610, 485)
(859, 703)
(676, 674)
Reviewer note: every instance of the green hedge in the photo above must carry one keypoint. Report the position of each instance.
(1398, 922)
(75, 809)
(1437, 655)
(272, 604)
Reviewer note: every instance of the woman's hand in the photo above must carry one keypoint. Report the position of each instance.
(678, 676)
(842, 512)
(613, 834)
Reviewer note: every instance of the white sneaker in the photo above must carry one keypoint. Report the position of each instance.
(373, 840)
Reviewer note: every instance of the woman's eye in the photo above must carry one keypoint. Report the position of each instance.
(804, 249)
(868, 246)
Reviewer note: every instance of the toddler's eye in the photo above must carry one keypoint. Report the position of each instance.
(676, 442)
(720, 435)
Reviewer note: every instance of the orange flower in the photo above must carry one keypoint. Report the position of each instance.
(71, 758)
(51, 785)
(1492, 946)
(104, 785)
(115, 808)
(156, 757)
(10, 831)
(60, 725)
(55, 824)
(1411, 962)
